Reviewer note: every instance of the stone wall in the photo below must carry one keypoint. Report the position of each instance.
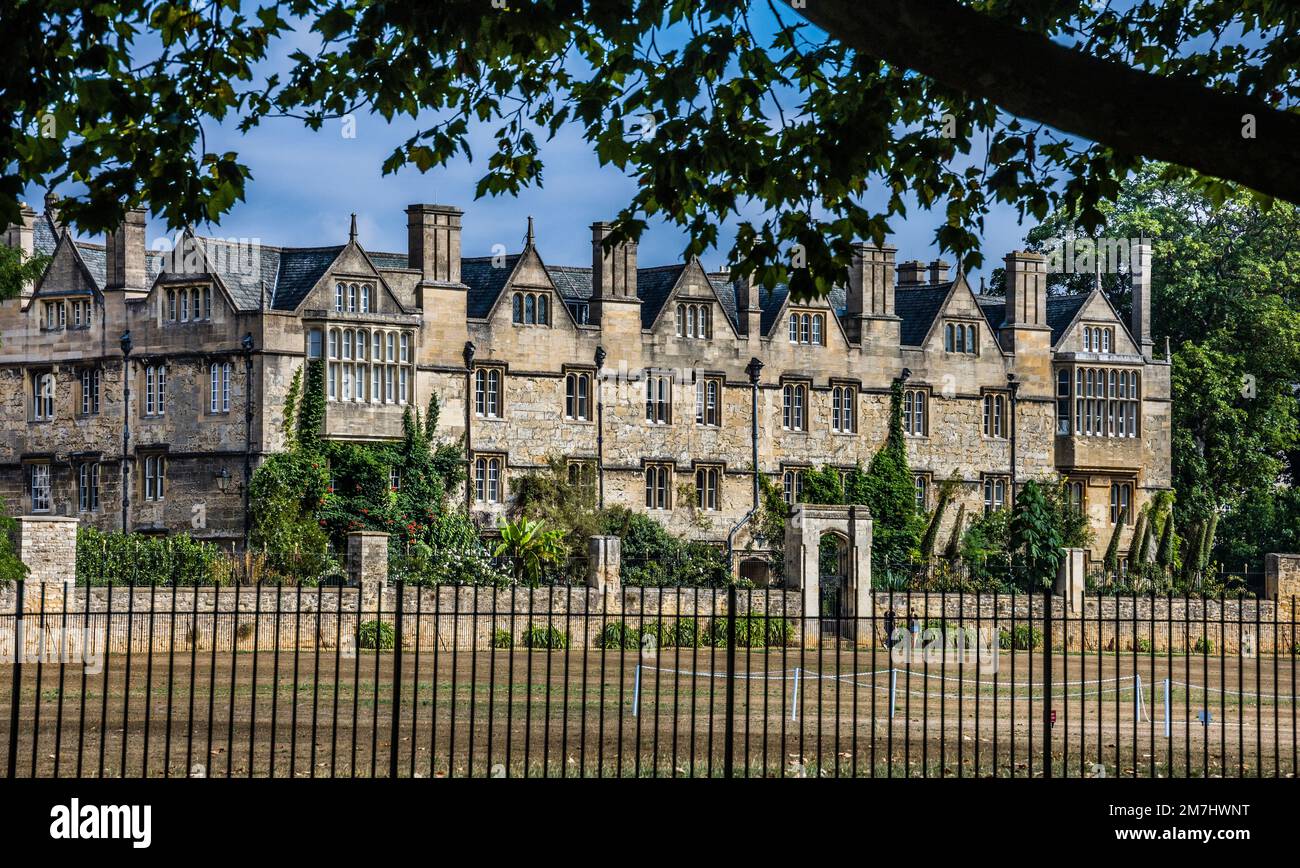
(465, 617)
(242, 619)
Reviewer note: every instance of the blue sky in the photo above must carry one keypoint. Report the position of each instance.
(305, 185)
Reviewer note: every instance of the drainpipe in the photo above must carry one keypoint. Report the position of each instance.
(247, 343)
(1014, 385)
(754, 368)
(600, 426)
(468, 355)
(125, 478)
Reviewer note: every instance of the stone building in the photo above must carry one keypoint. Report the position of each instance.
(659, 384)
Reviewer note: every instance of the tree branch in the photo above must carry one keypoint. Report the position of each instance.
(1032, 77)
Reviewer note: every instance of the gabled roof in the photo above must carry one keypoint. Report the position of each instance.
(917, 306)
(485, 281)
(653, 286)
(725, 290)
(1061, 311)
(297, 271)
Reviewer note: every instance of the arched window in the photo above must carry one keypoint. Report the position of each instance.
(843, 416)
(517, 308)
(914, 401)
(706, 488)
(365, 299)
(171, 305)
(995, 493)
(690, 321)
(338, 297)
(995, 405)
(805, 329)
(543, 310)
(487, 479)
(792, 486)
(658, 399)
(487, 393)
(577, 396)
(794, 404)
(530, 309)
(817, 321)
(949, 339)
(970, 339)
(657, 490)
(185, 305)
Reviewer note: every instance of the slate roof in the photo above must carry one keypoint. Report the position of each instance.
(652, 286)
(296, 271)
(1061, 311)
(917, 306)
(485, 282)
(289, 273)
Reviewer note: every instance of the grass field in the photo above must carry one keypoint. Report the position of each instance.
(572, 713)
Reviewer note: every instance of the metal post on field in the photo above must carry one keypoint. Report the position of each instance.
(15, 695)
(397, 680)
(636, 690)
(1166, 710)
(1137, 697)
(794, 697)
(729, 739)
(893, 691)
(1047, 682)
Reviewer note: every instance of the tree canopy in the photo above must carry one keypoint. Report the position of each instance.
(1226, 294)
(828, 119)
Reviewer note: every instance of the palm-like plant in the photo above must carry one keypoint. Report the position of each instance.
(529, 547)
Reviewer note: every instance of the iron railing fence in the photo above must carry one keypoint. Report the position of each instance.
(558, 681)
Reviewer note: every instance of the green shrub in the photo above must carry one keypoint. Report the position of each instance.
(138, 559)
(1204, 645)
(1143, 645)
(503, 639)
(545, 636)
(376, 635)
(1022, 637)
(754, 630)
(680, 633)
(617, 635)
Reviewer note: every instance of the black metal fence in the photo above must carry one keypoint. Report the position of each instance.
(572, 682)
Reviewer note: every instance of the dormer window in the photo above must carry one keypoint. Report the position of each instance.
(960, 338)
(192, 304)
(530, 308)
(82, 314)
(1098, 339)
(695, 321)
(56, 315)
(353, 297)
(807, 328)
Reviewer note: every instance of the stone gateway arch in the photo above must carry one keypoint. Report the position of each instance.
(804, 530)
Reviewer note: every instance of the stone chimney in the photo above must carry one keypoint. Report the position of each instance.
(1026, 284)
(1025, 331)
(52, 211)
(748, 308)
(869, 300)
(433, 242)
(22, 235)
(939, 271)
(613, 273)
(1141, 316)
(124, 253)
(913, 273)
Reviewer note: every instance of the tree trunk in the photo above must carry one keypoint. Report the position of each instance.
(1032, 77)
